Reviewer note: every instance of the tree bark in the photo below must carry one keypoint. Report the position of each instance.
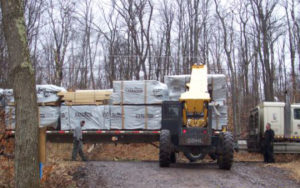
(22, 75)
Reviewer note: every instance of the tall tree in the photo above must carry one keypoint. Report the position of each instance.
(292, 44)
(22, 75)
(228, 48)
(137, 15)
(61, 29)
(266, 25)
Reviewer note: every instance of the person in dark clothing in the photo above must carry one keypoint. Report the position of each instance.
(77, 142)
(268, 144)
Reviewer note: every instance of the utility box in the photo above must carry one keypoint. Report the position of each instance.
(295, 121)
(273, 113)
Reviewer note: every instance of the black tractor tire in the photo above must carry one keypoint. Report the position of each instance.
(225, 156)
(173, 157)
(213, 156)
(193, 157)
(165, 148)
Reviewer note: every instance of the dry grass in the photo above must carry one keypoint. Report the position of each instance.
(289, 162)
(6, 172)
(293, 167)
(98, 152)
(246, 157)
(60, 174)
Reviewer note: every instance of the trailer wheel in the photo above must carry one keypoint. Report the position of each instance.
(165, 149)
(225, 157)
(192, 157)
(173, 157)
(213, 156)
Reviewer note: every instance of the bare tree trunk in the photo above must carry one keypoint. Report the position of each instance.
(23, 77)
(292, 45)
(228, 47)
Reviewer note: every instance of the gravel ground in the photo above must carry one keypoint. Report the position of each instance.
(149, 174)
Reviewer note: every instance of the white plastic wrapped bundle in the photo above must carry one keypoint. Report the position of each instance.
(219, 117)
(111, 117)
(139, 92)
(135, 117)
(6, 95)
(45, 94)
(48, 116)
(177, 85)
(95, 117)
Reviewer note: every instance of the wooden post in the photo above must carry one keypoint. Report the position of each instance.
(42, 146)
(42, 149)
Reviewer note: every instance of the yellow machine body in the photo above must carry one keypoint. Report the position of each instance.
(196, 99)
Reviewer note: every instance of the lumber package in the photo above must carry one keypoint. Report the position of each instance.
(106, 117)
(89, 97)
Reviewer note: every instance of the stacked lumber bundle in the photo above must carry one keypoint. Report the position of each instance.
(107, 117)
(137, 104)
(177, 85)
(85, 97)
(46, 95)
(139, 92)
(49, 116)
(134, 105)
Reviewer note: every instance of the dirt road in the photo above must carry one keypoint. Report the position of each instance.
(148, 174)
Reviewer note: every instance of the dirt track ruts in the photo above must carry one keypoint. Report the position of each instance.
(149, 174)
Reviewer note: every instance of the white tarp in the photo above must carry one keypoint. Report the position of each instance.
(111, 117)
(45, 93)
(95, 117)
(177, 85)
(48, 116)
(135, 117)
(219, 117)
(139, 92)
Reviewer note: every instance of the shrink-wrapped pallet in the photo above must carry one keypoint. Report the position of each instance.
(111, 117)
(95, 117)
(177, 85)
(219, 117)
(45, 94)
(139, 92)
(135, 117)
(49, 116)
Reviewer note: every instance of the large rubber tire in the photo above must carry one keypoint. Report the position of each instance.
(193, 157)
(225, 157)
(173, 157)
(213, 156)
(165, 148)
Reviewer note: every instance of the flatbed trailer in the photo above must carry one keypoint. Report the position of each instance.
(291, 147)
(102, 136)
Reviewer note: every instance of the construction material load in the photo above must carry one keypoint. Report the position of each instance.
(177, 85)
(135, 117)
(139, 92)
(95, 117)
(45, 94)
(6, 95)
(49, 116)
(219, 117)
(86, 97)
(111, 117)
